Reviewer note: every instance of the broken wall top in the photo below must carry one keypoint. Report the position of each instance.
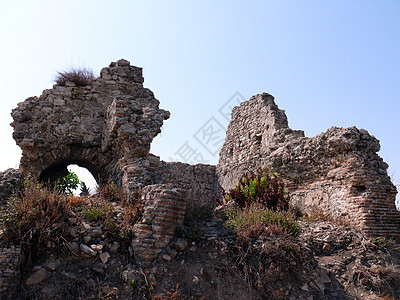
(258, 136)
(94, 126)
(337, 173)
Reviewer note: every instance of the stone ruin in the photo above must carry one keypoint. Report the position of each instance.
(108, 127)
(337, 173)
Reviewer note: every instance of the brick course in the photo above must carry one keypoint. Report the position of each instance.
(164, 210)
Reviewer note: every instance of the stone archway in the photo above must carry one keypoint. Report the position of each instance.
(106, 127)
(60, 169)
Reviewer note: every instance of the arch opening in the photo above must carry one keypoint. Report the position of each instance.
(86, 172)
(84, 176)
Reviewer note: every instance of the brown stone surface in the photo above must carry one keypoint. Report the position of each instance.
(10, 181)
(199, 181)
(107, 128)
(164, 209)
(338, 172)
(100, 127)
(10, 260)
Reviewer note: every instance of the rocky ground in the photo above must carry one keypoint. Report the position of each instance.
(207, 261)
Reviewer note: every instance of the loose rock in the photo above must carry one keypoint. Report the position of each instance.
(180, 244)
(37, 277)
(87, 250)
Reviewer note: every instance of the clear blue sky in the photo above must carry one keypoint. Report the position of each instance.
(326, 62)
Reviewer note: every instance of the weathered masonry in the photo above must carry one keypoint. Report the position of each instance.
(338, 172)
(107, 127)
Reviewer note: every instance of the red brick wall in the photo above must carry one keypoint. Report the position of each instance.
(164, 209)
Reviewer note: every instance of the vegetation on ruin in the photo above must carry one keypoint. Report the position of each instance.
(79, 76)
(257, 220)
(263, 205)
(269, 251)
(262, 187)
(36, 218)
(69, 183)
(111, 191)
(97, 211)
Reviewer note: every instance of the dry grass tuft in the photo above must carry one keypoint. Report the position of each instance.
(111, 192)
(81, 77)
(387, 273)
(36, 219)
(75, 200)
(257, 220)
(133, 213)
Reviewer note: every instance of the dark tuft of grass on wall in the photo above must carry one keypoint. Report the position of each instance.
(79, 76)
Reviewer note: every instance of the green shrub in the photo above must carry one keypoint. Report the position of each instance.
(93, 213)
(81, 77)
(101, 210)
(256, 220)
(68, 183)
(264, 188)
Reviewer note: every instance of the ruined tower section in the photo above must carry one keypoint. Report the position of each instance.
(257, 128)
(337, 173)
(106, 127)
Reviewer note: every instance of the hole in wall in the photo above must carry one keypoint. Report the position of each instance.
(85, 176)
(360, 188)
(85, 170)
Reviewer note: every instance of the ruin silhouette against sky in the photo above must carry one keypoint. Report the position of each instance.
(326, 63)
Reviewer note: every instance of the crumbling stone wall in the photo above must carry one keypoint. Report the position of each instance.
(106, 127)
(199, 181)
(10, 262)
(10, 181)
(100, 127)
(165, 207)
(337, 172)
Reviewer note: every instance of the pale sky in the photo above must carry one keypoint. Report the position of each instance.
(327, 63)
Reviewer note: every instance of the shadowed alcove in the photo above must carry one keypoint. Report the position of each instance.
(60, 169)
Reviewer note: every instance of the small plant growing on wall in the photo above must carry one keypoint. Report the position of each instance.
(263, 206)
(81, 77)
(70, 183)
(262, 187)
(85, 191)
